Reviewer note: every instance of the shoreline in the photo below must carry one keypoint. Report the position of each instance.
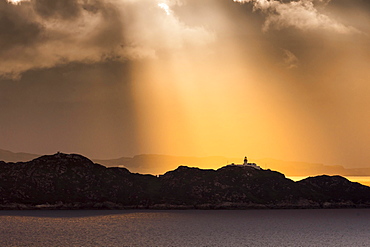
(225, 206)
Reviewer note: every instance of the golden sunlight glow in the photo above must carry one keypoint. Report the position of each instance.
(193, 111)
(16, 2)
(263, 79)
(165, 7)
(240, 110)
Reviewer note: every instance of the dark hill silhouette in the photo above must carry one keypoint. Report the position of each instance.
(159, 164)
(74, 181)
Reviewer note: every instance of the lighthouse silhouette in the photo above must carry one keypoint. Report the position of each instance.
(245, 161)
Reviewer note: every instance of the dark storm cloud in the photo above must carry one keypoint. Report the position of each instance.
(89, 31)
(352, 3)
(66, 9)
(110, 31)
(16, 28)
(44, 33)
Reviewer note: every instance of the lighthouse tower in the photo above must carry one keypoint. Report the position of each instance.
(254, 165)
(245, 161)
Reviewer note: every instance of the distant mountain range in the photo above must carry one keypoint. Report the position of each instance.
(159, 164)
(71, 181)
(9, 156)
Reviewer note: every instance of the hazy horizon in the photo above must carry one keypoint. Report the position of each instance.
(287, 80)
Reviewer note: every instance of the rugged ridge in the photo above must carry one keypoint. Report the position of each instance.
(73, 181)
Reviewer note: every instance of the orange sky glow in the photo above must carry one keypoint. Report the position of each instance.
(107, 78)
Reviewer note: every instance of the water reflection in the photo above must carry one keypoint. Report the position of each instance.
(325, 227)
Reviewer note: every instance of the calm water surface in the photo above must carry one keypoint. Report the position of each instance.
(337, 227)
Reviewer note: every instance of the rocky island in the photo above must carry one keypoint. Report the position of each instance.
(72, 181)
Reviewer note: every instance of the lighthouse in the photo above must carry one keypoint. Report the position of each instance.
(254, 165)
(245, 161)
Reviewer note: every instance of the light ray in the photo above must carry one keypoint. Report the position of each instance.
(17, 2)
(165, 7)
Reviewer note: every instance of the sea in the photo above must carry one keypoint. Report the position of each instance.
(298, 227)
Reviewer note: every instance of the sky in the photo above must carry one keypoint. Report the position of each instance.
(264, 78)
